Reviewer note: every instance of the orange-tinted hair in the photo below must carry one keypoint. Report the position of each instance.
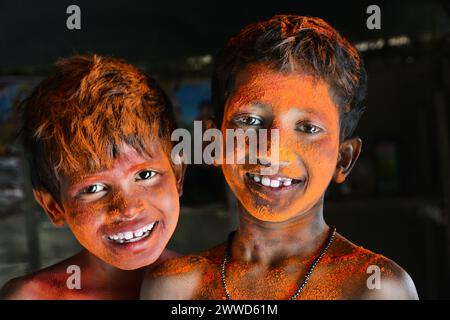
(77, 117)
(286, 42)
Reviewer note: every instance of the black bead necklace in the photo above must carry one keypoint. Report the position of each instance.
(227, 253)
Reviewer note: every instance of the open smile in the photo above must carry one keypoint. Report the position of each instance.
(272, 181)
(133, 235)
(273, 184)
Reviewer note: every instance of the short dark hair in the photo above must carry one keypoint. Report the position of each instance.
(288, 41)
(77, 117)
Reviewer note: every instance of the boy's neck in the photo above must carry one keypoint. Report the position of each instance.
(271, 242)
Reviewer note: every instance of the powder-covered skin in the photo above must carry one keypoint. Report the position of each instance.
(281, 232)
(341, 275)
(142, 202)
(96, 136)
(127, 197)
(285, 102)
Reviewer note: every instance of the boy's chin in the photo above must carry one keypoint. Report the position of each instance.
(276, 212)
(270, 214)
(131, 256)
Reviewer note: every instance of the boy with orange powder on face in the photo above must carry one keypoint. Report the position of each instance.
(96, 134)
(297, 75)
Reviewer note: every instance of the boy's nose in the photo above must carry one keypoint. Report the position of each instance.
(128, 208)
(131, 211)
(279, 150)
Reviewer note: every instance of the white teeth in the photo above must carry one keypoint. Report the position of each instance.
(265, 181)
(132, 236)
(274, 183)
(138, 233)
(128, 235)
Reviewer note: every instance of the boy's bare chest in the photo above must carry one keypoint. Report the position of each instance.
(327, 282)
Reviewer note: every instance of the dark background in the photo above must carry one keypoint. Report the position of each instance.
(396, 201)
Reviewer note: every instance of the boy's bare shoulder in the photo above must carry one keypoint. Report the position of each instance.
(41, 285)
(181, 277)
(20, 288)
(366, 268)
(49, 283)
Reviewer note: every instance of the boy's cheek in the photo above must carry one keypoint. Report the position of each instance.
(166, 200)
(85, 228)
(321, 163)
(83, 219)
(320, 152)
(85, 215)
(234, 172)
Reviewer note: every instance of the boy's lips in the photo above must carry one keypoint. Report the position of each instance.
(149, 242)
(273, 183)
(132, 235)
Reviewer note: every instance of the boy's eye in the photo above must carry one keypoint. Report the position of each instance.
(95, 188)
(146, 174)
(308, 128)
(248, 120)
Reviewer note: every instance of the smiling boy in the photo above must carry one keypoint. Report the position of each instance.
(299, 76)
(96, 134)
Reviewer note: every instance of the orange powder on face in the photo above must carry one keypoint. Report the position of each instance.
(124, 202)
(77, 124)
(291, 98)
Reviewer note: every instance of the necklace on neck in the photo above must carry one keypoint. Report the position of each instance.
(227, 255)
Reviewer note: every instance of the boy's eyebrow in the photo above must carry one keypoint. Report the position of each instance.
(138, 166)
(78, 179)
(256, 104)
(307, 110)
(302, 111)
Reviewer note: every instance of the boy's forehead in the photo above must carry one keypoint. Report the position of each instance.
(126, 156)
(259, 83)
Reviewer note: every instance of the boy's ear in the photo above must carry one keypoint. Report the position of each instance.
(51, 206)
(180, 170)
(349, 151)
